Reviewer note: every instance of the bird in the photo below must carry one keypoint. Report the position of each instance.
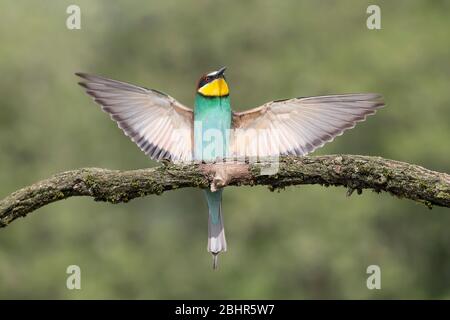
(167, 130)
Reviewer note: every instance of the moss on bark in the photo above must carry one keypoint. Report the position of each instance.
(353, 172)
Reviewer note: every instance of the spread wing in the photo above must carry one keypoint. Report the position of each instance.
(298, 126)
(161, 126)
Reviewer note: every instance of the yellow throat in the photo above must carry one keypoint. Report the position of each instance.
(216, 88)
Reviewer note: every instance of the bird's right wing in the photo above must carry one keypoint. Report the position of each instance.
(161, 126)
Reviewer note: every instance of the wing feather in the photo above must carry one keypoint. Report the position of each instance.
(301, 125)
(161, 126)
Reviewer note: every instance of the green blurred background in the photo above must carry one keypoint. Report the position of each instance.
(304, 242)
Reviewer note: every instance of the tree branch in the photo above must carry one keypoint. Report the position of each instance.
(354, 172)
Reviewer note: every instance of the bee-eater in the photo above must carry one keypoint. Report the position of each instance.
(163, 128)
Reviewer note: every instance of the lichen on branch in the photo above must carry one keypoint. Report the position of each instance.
(353, 172)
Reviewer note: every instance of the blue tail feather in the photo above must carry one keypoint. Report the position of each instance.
(214, 200)
(216, 231)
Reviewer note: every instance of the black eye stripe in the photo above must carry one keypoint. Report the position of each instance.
(206, 79)
(201, 82)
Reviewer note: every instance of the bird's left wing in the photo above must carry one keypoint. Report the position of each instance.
(161, 126)
(298, 126)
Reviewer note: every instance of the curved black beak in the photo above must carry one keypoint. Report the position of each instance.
(221, 71)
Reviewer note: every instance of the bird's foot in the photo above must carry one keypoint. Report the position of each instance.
(221, 174)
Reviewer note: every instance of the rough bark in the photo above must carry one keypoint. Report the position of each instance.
(353, 172)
